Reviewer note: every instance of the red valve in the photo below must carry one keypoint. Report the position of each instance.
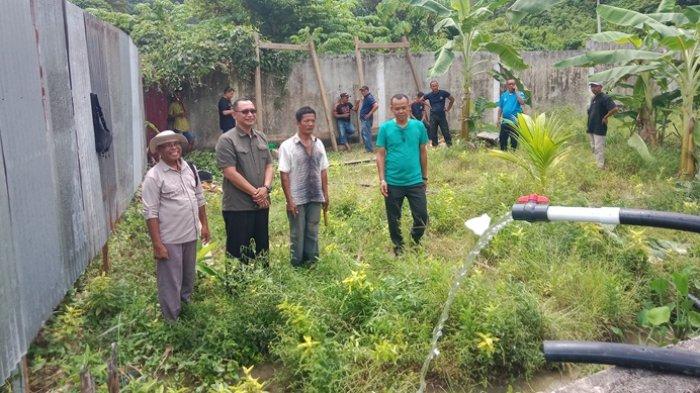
(534, 198)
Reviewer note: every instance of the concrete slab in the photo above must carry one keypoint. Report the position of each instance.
(622, 380)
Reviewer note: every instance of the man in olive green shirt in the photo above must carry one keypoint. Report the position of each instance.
(246, 162)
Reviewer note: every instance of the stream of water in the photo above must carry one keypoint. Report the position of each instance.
(462, 273)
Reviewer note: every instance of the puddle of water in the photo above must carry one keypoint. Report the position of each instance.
(484, 240)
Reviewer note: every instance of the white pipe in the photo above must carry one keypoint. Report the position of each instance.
(603, 215)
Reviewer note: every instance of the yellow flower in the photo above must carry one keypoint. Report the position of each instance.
(486, 343)
(307, 347)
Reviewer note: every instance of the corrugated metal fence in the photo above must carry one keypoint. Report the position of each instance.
(58, 199)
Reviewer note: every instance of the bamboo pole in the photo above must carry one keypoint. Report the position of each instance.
(409, 59)
(324, 98)
(258, 85)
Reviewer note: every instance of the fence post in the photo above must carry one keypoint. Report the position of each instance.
(113, 371)
(87, 384)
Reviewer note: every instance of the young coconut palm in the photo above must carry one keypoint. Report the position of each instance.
(542, 143)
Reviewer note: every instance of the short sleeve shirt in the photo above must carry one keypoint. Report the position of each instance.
(174, 198)
(342, 109)
(177, 112)
(249, 154)
(510, 107)
(601, 104)
(304, 169)
(226, 122)
(437, 100)
(367, 104)
(417, 109)
(402, 166)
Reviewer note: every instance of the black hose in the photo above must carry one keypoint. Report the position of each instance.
(625, 355)
(650, 218)
(530, 212)
(696, 301)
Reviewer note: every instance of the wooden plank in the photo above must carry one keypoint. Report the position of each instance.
(258, 85)
(388, 45)
(409, 59)
(361, 80)
(281, 46)
(326, 105)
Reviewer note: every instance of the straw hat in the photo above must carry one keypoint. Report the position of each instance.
(165, 137)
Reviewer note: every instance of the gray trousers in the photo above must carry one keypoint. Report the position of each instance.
(303, 233)
(598, 147)
(175, 278)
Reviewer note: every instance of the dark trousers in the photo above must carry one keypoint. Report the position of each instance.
(419, 210)
(244, 227)
(507, 131)
(439, 119)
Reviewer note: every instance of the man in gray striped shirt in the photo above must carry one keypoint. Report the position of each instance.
(304, 171)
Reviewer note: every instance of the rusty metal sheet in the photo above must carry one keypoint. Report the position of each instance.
(31, 188)
(95, 33)
(58, 104)
(95, 220)
(138, 117)
(120, 98)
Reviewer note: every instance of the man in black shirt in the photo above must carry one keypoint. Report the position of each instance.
(420, 108)
(601, 108)
(438, 113)
(226, 120)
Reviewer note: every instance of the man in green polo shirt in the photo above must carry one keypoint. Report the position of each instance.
(402, 163)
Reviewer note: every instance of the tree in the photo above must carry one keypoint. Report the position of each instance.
(670, 51)
(461, 24)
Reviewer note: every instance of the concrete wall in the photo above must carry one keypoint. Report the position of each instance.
(386, 74)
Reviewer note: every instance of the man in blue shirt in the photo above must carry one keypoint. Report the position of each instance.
(509, 106)
(402, 163)
(369, 106)
(438, 112)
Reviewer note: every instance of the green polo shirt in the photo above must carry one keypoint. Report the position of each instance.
(402, 167)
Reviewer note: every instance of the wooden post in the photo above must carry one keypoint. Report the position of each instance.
(106, 264)
(20, 377)
(324, 98)
(419, 86)
(258, 85)
(361, 80)
(113, 371)
(87, 384)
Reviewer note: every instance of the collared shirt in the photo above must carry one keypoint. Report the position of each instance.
(174, 198)
(402, 166)
(509, 104)
(367, 103)
(601, 104)
(249, 154)
(304, 169)
(437, 100)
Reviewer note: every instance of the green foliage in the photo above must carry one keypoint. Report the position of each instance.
(360, 319)
(543, 143)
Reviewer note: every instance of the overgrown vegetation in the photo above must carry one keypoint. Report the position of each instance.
(361, 319)
(181, 41)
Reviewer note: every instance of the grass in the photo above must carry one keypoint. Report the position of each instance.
(361, 320)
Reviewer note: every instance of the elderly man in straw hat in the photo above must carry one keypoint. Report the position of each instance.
(173, 205)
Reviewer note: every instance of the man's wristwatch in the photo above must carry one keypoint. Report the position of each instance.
(269, 188)
(425, 178)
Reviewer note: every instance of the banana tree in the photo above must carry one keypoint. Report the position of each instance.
(460, 22)
(677, 36)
